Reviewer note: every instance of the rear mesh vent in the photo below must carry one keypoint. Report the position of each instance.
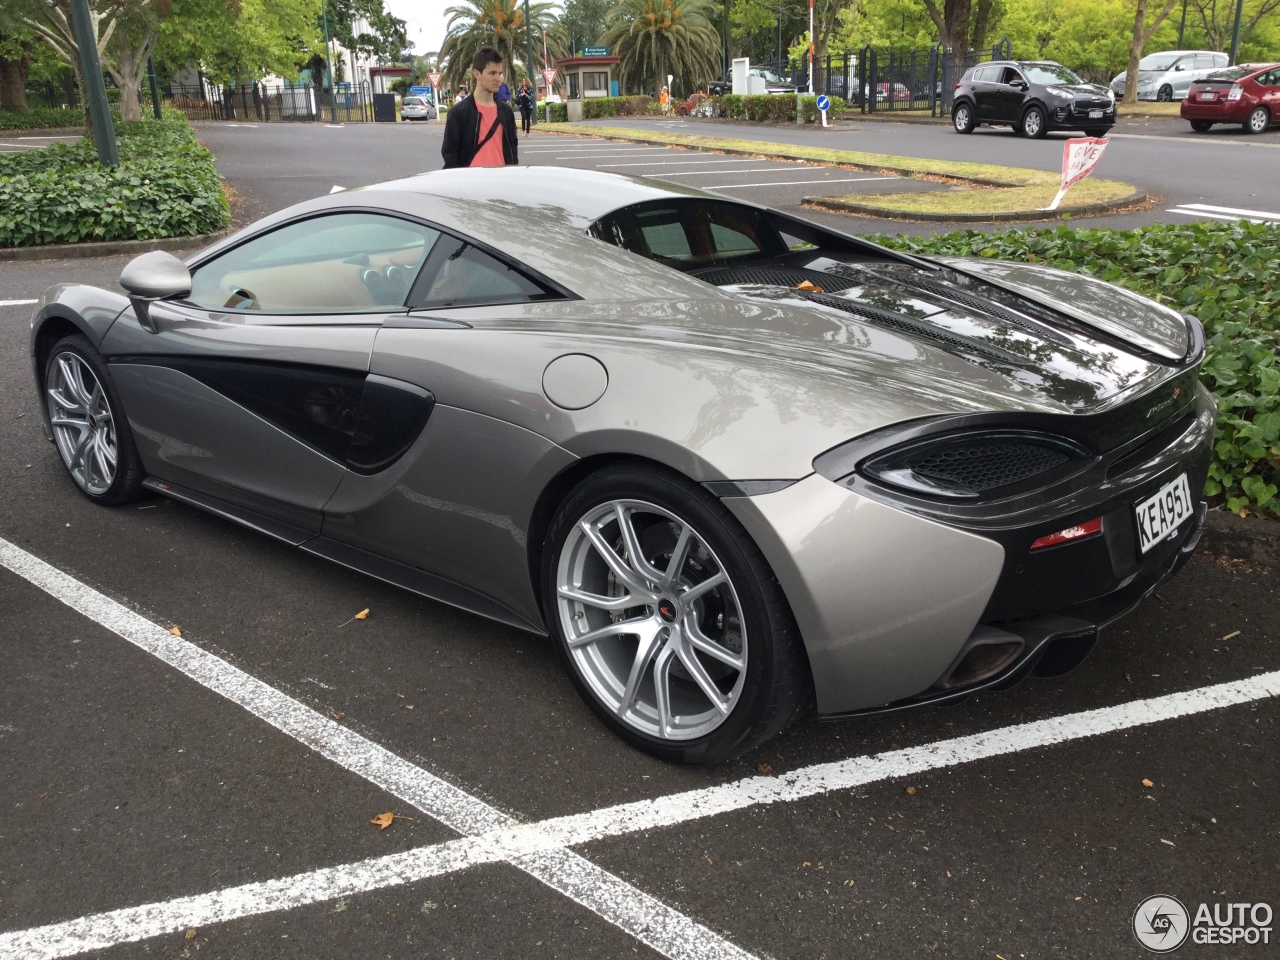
(986, 465)
(772, 276)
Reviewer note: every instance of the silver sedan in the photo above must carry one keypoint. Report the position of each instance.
(730, 462)
(417, 108)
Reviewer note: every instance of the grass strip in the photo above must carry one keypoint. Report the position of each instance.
(1016, 190)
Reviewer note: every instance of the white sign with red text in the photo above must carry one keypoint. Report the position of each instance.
(435, 78)
(1079, 157)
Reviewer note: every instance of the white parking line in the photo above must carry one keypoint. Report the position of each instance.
(644, 917)
(545, 841)
(1226, 213)
(721, 173)
(1196, 141)
(787, 183)
(15, 303)
(679, 163)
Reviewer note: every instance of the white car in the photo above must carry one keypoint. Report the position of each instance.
(417, 108)
(1168, 75)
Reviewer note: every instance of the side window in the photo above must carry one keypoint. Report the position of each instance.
(459, 274)
(1010, 75)
(338, 263)
(1204, 61)
(981, 75)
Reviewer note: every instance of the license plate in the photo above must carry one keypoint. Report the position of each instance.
(1095, 114)
(1160, 515)
(1208, 96)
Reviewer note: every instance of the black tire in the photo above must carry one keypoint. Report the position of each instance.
(1097, 131)
(963, 118)
(1201, 126)
(1258, 121)
(125, 484)
(777, 684)
(1034, 124)
(1165, 94)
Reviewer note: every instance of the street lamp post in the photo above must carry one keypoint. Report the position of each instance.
(328, 58)
(1235, 32)
(528, 52)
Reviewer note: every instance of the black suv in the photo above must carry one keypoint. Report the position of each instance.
(1032, 97)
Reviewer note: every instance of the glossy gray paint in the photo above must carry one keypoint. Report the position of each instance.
(853, 570)
(156, 276)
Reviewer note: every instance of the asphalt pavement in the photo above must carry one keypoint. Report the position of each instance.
(211, 793)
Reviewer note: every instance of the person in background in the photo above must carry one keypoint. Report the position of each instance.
(504, 93)
(462, 95)
(664, 100)
(524, 101)
(481, 130)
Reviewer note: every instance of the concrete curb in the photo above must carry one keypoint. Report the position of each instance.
(108, 248)
(879, 213)
(1242, 538)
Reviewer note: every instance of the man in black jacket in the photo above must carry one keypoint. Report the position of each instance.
(481, 131)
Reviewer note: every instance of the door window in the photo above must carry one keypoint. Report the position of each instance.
(339, 263)
(459, 274)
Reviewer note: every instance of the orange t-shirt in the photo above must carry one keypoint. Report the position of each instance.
(490, 155)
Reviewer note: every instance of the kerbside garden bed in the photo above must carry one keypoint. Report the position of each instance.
(166, 186)
(1223, 273)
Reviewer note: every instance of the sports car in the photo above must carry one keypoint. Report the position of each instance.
(728, 460)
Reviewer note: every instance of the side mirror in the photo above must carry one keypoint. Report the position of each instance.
(154, 276)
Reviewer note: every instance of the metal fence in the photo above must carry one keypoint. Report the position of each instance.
(258, 102)
(874, 80)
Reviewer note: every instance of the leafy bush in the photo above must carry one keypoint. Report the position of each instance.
(1225, 274)
(166, 186)
(559, 113)
(41, 118)
(597, 108)
(770, 107)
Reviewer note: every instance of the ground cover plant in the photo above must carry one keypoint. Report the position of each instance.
(1227, 275)
(166, 186)
(41, 118)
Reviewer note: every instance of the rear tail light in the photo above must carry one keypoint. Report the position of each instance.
(1235, 92)
(1079, 532)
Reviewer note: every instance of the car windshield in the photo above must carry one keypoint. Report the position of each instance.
(1231, 73)
(1050, 74)
(1158, 61)
(770, 77)
(412, 102)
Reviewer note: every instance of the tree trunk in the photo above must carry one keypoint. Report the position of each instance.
(13, 82)
(127, 64)
(1141, 34)
(952, 22)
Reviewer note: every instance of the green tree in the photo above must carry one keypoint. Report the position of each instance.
(964, 25)
(585, 22)
(1144, 26)
(655, 38)
(499, 24)
(1218, 18)
(239, 41)
(365, 27)
(18, 47)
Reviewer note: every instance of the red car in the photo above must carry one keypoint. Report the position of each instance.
(1247, 94)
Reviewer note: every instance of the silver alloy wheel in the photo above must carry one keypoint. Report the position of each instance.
(1258, 120)
(1165, 94)
(651, 619)
(961, 118)
(1031, 123)
(83, 427)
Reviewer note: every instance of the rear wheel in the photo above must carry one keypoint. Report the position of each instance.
(1201, 126)
(89, 427)
(1258, 120)
(1165, 93)
(962, 118)
(1033, 125)
(674, 629)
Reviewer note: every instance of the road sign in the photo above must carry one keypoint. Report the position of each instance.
(549, 75)
(1079, 156)
(419, 91)
(435, 78)
(595, 51)
(823, 103)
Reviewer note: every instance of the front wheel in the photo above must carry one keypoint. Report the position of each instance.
(1258, 120)
(1201, 126)
(1033, 125)
(1165, 94)
(89, 427)
(674, 629)
(963, 119)
(1097, 131)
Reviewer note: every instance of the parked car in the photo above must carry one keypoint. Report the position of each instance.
(772, 82)
(1031, 97)
(724, 457)
(719, 88)
(898, 92)
(1248, 94)
(697, 105)
(417, 108)
(1168, 75)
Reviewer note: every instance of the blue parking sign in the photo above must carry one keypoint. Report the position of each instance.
(824, 103)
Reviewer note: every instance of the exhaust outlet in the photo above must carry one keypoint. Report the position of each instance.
(985, 654)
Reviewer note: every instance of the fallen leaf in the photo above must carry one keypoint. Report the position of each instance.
(948, 873)
(911, 791)
(765, 768)
(362, 615)
(1169, 842)
(336, 716)
(1233, 633)
(176, 631)
(1078, 899)
(805, 864)
(383, 820)
(1147, 783)
(806, 285)
(191, 934)
(710, 861)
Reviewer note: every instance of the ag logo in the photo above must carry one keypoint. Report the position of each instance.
(1161, 924)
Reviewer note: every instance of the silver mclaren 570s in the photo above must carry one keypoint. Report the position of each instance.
(731, 462)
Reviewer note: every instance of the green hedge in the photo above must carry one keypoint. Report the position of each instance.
(1223, 273)
(559, 113)
(41, 118)
(166, 186)
(771, 107)
(597, 108)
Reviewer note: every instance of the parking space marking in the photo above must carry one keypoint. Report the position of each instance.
(16, 303)
(721, 173)
(1226, 213)
(787, 183)
(1217, 141)
(613, 899)
(678, 163)
(541, 848)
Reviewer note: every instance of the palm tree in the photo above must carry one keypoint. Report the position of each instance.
(654, 38)
(499, 24)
